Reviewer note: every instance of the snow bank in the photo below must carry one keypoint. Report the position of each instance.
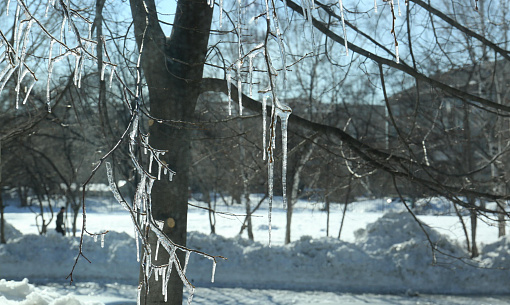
(391, 255)
(10, 231)
(23, 293)
(51, 257)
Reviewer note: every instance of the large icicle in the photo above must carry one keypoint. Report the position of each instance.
(239, 90)
(229, 79)
(340, 3)
(264, 124)
(284, 117)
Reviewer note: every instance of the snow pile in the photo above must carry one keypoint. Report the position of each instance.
(10, 231)
(23, 293)
(51, 257)
(391, 255)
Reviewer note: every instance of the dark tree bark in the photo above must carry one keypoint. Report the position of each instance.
(173, 70)
(2, 220)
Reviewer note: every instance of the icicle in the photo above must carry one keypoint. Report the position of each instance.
(151, 157)
(62, 26)
(159, 170)
(229, 77)
(157, 251)
(167, 278)
(149, 191)
(343, 25)
(80, 72)
(163, 277)
(270, 211)
(102, 240)
(284, 117)
(398, 5)
(7, 8)
(28, 92)
(17, 29)
(273, 133)
(188, 253)
(189, 287)
(170, 176)
(50, 53)
(221, 13)
(138, 294)
(148, 264)
(76, 69)
(134, 131)
(137, 246)
(281, 47)
(95, 238)
(191, 292)
(270, 164)
(26, 39)
(239, 91)
(156, 274)
(250, 69)
(264, 123)
(113, 186)
(112, 72)
(307, 12)
(211, 3)
(425, 153)
(213, 271)
(48, 95)
(396, 53)
(103, 68)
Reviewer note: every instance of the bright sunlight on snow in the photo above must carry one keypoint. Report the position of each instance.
(382, 257)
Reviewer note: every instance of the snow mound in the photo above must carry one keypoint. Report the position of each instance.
(394, 230)
(497, 254)
(391, 255)
(23, 293)
(51, 257)
(10, 231)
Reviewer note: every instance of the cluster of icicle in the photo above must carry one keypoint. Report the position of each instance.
(13, 53)
(234, 77)
(141, 207)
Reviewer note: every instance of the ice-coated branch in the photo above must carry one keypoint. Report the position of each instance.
(16, 54)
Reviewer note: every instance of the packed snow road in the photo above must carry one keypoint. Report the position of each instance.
(117, 294)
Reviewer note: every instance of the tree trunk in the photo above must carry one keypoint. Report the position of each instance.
(295, 188)
(173, 70)
(2, 220)
(326, 198)
(346, 202)
(75, 217)
(249, 225)
(244, 176)
(212, 214)
(474, 248)
(464, 228)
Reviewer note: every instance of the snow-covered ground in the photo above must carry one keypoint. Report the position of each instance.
(383, 257)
